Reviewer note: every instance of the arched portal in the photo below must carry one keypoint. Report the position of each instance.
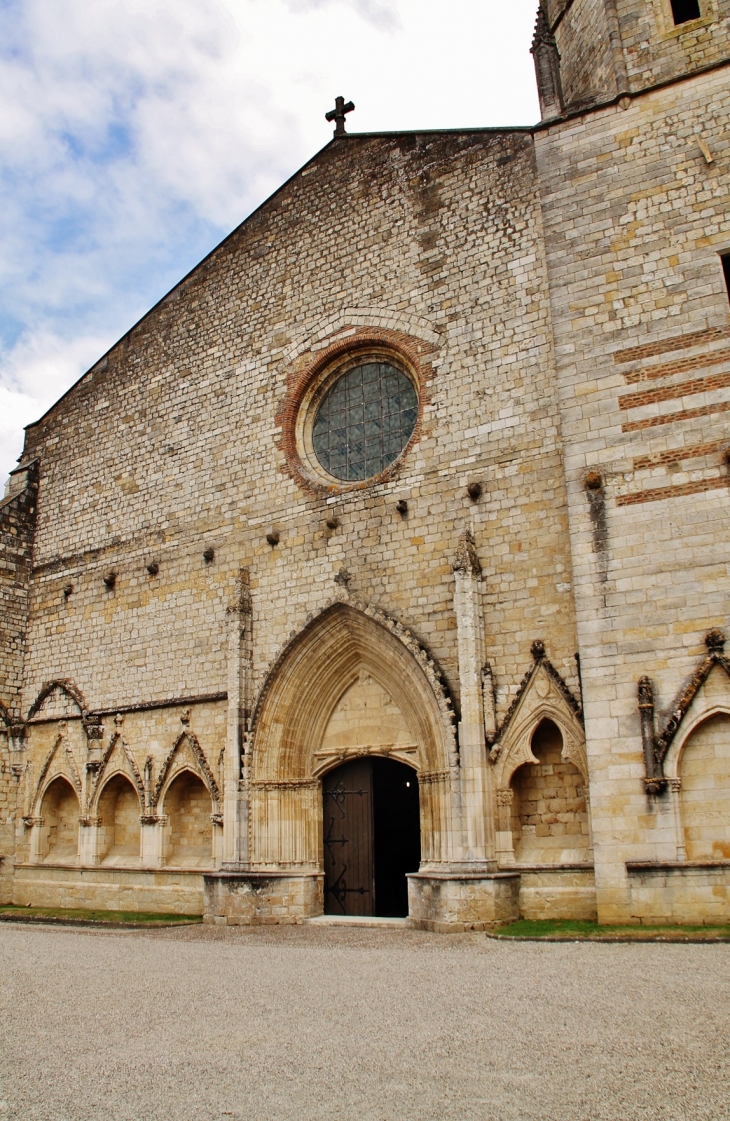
(119, 810)
(60, 814)
(351, 686)
(371, 835)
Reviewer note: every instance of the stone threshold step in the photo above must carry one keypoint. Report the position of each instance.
(358, 920)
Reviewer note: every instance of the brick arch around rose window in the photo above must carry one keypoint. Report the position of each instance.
(338, 648)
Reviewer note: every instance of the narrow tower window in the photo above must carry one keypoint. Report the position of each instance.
(685, 10)
(725, 258)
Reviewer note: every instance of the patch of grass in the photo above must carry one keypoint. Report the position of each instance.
(80, 915)
(572, 929)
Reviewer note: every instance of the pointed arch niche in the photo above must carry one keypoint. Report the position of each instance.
(353, 683)
(541, 773)
(187, 809)
(697, 766)
(119, 814)
(549, 813)
(57, 839)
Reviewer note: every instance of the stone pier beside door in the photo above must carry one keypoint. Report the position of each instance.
(448, 902)
(261, 898)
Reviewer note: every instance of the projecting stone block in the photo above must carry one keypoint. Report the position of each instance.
(261, 898)
(453, 902)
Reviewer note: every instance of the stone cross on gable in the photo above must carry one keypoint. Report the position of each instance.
(338, 115)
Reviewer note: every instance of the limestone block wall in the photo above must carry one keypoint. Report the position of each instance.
(635, 218)
(609, 47)
(657, 50)
(174, 445)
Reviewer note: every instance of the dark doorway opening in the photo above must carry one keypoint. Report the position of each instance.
(372, 837)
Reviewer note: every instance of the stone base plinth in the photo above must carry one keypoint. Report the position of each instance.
(564, 892)
(446, 902)
(251, 898)
(108, 889)
(678, 892)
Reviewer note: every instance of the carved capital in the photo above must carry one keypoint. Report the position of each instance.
(505, 797)
(466, 560)
(17, 735)
(646, 693)
(88, 820)
(240, 604)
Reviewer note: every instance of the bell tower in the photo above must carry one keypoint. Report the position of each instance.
(588, 52)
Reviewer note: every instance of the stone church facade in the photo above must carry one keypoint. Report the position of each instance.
(408, 505)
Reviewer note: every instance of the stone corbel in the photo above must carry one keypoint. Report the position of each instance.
(94, 729)
(17, 737)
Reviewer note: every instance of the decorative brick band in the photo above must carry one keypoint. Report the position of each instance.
(674, 392)
(680, 366)
(671, 418)
(666, 346)
(678, 455)
(658, 493)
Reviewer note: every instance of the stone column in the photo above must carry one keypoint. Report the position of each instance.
(505, 841)
(89, 829)
(675, 785)
(152, 840)
(475, 776)
(38, 838)
(235, 797)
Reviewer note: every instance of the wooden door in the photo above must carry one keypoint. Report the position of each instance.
(348, 839)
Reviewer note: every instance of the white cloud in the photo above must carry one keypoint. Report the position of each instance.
(134, 135)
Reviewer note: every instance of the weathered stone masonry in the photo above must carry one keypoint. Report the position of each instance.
(557, 297)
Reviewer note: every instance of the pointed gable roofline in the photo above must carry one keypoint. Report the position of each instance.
(347, 137)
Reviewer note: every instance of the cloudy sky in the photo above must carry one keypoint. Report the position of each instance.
(134, 134)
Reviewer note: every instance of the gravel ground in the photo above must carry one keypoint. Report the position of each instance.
(279, 1023)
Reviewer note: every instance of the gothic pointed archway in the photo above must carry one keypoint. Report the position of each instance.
(353, 684)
